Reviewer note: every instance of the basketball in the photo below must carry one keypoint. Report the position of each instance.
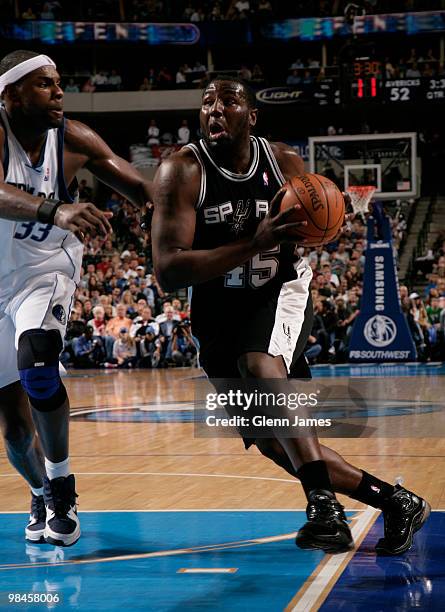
(322, 206)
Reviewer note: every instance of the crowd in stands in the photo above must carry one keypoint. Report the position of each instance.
(203, 10)
(120, 317)
(300, 71)
(426, 312)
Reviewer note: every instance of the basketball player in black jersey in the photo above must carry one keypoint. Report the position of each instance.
(217, 227)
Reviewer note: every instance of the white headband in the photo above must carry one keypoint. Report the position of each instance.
(18, 72)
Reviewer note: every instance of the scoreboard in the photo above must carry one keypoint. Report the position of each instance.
(414, 90)
(365, 81)
(409, 90)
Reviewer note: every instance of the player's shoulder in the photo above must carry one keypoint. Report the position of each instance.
(288, 159)
(76, 132)
(181, 164)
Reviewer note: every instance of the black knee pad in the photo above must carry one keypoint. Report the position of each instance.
(38, 365)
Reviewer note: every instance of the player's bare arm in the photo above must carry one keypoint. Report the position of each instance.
(291, 164)
(86, 148)
(176, 190)
(17, 205)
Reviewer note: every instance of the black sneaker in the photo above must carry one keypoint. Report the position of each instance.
(326, 528)
(62, 525)
(404, 513)
(34, 530)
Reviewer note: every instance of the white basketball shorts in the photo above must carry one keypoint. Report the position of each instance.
(43, 303)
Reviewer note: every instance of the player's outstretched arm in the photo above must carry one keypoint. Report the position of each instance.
(177, 264)
(93, 153)
(17, 205)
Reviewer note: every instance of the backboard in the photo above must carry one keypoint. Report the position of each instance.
(387, 161)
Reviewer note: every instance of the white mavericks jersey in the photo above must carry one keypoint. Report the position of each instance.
(30, 249)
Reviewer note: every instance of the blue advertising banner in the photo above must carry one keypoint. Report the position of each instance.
(380, 332)
(319, 28)
(58, 32)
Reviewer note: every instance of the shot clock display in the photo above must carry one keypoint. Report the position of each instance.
(366, 77)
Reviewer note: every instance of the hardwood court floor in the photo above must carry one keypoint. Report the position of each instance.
(133, 447)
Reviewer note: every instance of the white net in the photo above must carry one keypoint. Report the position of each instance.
(361, 195)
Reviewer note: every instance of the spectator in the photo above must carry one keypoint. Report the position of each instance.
(294, 78)
(153, 133)
(413, 71)
(100, 79)
(29, 14)
(115, 80)
(313, 63)
(165, 79)
(199, 67)
(88, 353)
(116, 323)
(244, 73)
(257, 74)
(298, 64)
(183, 348)
(88, 86)
(145, 85)
(143, 320)
(124, 349)
(166, 308)
(312, 349)
(149, 348)
(243, 8)
(166, 328)
(216, 13)
(47, 14)
(308, 79)
(197, 15)
(72, 87)
(265, 10)
(184, 133)
(181, 78)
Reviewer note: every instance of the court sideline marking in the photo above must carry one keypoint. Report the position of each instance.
(182, 474)
(319, 584)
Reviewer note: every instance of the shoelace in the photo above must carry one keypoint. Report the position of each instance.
(38, 509)
(61, 498)
(325, 509)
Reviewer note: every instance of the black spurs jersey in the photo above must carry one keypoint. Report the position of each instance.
(230, 207)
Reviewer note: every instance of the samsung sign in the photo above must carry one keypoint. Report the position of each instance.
(279, 95)
(380, 331)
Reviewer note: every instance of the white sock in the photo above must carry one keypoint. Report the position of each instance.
(37, 492)
(56, 470)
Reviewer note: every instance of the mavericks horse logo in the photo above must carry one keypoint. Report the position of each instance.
(380, 330)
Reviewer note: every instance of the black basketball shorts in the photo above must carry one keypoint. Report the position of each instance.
(277, 324)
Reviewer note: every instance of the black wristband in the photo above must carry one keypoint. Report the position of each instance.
(47, 210)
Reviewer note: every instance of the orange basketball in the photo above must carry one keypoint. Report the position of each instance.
(322, 206)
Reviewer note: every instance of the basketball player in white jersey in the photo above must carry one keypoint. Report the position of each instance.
(41, 228)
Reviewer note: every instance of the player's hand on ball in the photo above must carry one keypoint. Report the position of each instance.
(274, 229)
(82, 219)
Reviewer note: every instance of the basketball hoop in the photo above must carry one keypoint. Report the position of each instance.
(360, 197)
